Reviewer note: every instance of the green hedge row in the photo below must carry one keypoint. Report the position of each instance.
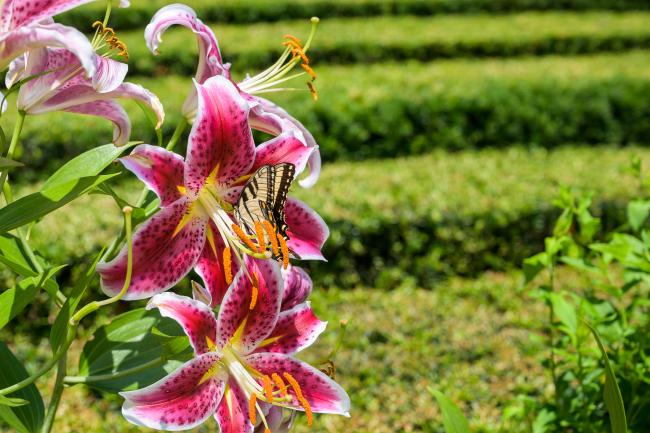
(414, 219)
(389, 110)
(356, 40)
(249, 11)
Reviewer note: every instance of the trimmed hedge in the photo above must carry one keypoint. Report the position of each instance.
(415, 219)
(389, 110)
(250, 11)
(355, 40)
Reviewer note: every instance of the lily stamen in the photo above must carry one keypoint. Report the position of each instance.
(261, 242)
(301, 399)
(252, 409)
(272, 234)
(285, 251)
(106, 36)
(280, 384)
(244, 237)
(268, 388)
(227, 264)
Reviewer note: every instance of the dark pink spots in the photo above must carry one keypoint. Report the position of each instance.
(295, 330)
(210, 268)
(283, 148)
(307, 230)
(15, 13)
(297, 287)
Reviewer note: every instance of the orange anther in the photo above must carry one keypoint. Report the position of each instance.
(227, 265)
(309, 70)
(267, 430)
(280, 383)
(254, 295)
(252, 412)
(273, 237)
(301, 398)
(245, 239)
(259, 231)
(268, 388)
(312, 89)
(292, 38)
(285, 251)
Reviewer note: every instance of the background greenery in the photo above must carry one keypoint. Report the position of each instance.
(446, 127)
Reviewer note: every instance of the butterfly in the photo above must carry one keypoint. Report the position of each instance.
(263, 198)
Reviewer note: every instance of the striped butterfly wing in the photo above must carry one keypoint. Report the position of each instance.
(264, 196)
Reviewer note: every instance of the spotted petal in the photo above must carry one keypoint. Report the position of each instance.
(295, 330)
(162, 253)
(307, 230)
(16, 13)
(273, 119)
(322, 393)
(220, 137)
(210, 267)
(160, 169)
(24, 39)
(297, 287)
(180, 401)
(239, 324)
(196, 318)
(232, 413)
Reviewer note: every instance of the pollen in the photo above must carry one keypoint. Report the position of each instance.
(227, 265)
(244, 238)
(268, 388)
(285, 251)
(254, 295)
(251, 408)
(273, 237)
(301, 398)
(108, 35)
(280, 383)
(259, 231)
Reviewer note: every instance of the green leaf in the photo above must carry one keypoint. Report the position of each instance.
(24, 418)
(565, 312)
(452, 417)
(127, 347)
(88, 164)
(13, 256)
(637, 213)
(611, 394)
(534, 265)
(14, 300)
(60, 326)
(12, 402)
(37, 205)
(6, 164)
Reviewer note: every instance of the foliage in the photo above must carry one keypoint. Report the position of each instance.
(612, 305)
(356, 40)
(251, 11)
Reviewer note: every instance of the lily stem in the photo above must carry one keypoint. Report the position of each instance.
(73, 380)
(95, 305)
(18, 127)
(57, 392)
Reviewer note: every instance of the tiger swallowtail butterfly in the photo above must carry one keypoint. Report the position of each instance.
(263, 198)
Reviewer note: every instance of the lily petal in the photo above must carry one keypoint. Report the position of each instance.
(273, 119)
(16, 70)
(250, 326)
(109, 75)
(210, 267)
(196, 318)
(220, 135)
(322, 393)
(24, 39)
(232, 413)
(297, 287)
(162, 254)
(210, 62)
(109, 110)
(283, 148)
(160, 169)
(295, 330)
(307, 230)
(15, 13)
(180, 401)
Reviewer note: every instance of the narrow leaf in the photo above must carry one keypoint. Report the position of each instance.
(26, 418)
(452, 417)
(6, 163)
(611, 394)
(12, 402)
(637, 213)
(14, 257)
(37, 205)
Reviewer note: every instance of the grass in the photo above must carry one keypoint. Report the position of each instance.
(469, 338)
(356, 40)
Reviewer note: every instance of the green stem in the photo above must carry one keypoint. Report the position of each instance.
(73, 380)
(18, 127)
(47, 367)
(95, 305)
(109, 6)
(57, 392)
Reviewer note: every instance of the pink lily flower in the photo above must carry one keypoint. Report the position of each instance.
(63, 86)
(265, 115)
(195, 226)
(243, 361)
(26, 25)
